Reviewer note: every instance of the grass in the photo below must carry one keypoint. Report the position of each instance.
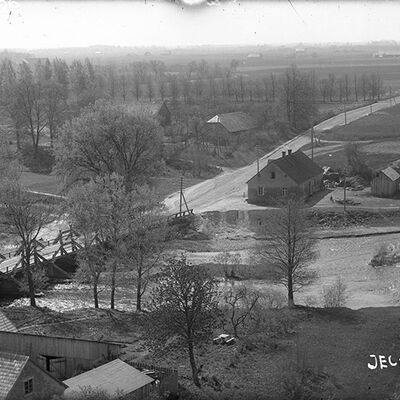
(336, 342)
(380, 125)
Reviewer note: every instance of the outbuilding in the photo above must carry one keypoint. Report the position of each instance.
(386, 183)
(117, 379)
(291, 173)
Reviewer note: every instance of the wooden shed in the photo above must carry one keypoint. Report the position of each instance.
(62, 357)
(386, 183)
(117, 379)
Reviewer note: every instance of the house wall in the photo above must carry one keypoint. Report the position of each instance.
(273, 187)
(80, 355)
(43, 385)
(383, 186)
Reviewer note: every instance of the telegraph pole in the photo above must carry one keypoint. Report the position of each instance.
(344, 193)
(345, 113)
(312, 141)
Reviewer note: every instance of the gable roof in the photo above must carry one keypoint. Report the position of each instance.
(115, 377)
(152, 108)
(6, 324)
(391, 173)
(297, 166)
(11, 366)
(234, 122)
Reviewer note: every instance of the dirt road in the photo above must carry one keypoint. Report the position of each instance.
(228, 190)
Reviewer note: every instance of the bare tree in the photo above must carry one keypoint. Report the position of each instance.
(184, 304)
(241, 303)
(27, 217)
(289, 247)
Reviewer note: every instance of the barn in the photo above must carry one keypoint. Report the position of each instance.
(159, 110)
(225, 129)
(292, 173)
(21, 378)
(386, 183)
(117, 379)
(61, 357)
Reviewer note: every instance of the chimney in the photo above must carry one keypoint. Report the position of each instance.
(289, 152)
(283, 154)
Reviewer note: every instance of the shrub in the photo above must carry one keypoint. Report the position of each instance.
(335, 295)
(385, 256)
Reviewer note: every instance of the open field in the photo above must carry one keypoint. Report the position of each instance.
(380, 125)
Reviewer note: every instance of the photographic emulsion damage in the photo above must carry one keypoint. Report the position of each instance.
(199, 199)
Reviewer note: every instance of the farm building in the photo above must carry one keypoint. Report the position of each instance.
(230, 127)
(117, 379)
(6, 325)
(159, 110)
(21, 378)
(386, 183)
(291, 173)
(62, 357)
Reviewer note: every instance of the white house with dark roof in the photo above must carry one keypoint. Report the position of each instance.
(21, 378)
(291, 173)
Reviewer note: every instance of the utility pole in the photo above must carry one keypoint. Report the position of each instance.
(312, 141)
(370, 108)
(180, 197)
(345, 113)
(344, 192)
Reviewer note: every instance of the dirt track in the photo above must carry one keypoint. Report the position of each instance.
(228, 191)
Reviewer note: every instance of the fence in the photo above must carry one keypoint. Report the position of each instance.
(168, 377)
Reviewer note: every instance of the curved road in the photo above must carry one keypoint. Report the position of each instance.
(228, 190)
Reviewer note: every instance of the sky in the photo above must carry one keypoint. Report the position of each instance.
(51, 24)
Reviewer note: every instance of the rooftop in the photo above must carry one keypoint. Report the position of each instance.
(114, 378)
(391, 173)
(6, 324)
(11, 365)
(235, 121)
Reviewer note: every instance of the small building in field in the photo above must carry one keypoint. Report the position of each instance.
(386, 183)
(234, 127)
(292, 173)
(117, 379)
(6, 325)
(21, 378)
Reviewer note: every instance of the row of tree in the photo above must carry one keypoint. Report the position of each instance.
(39, 95)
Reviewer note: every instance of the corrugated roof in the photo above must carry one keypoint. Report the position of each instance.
(11, 365)
(6, 325)
(234, 122)
(115, 377)
(152, 108)
(297, 166)
(391, 173)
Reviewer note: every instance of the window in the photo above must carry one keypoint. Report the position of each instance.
(28, 386)
(284, 191)
(272, 174)
(260, 191)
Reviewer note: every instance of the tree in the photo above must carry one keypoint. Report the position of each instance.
(241, 302)
(184, 304)
(145, 244)
(27, 217)
(289, 247)
(84, 213)
(107, 139)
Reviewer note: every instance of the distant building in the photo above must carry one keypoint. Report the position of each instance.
(117, 379)
(21, 378)
(292, 173)
(386, 183)
(159, 110)
(230, 127)
(254, 55)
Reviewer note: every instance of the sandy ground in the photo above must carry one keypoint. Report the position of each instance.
(228, 191)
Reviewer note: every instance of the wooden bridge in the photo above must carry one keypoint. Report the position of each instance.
(45, 253)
